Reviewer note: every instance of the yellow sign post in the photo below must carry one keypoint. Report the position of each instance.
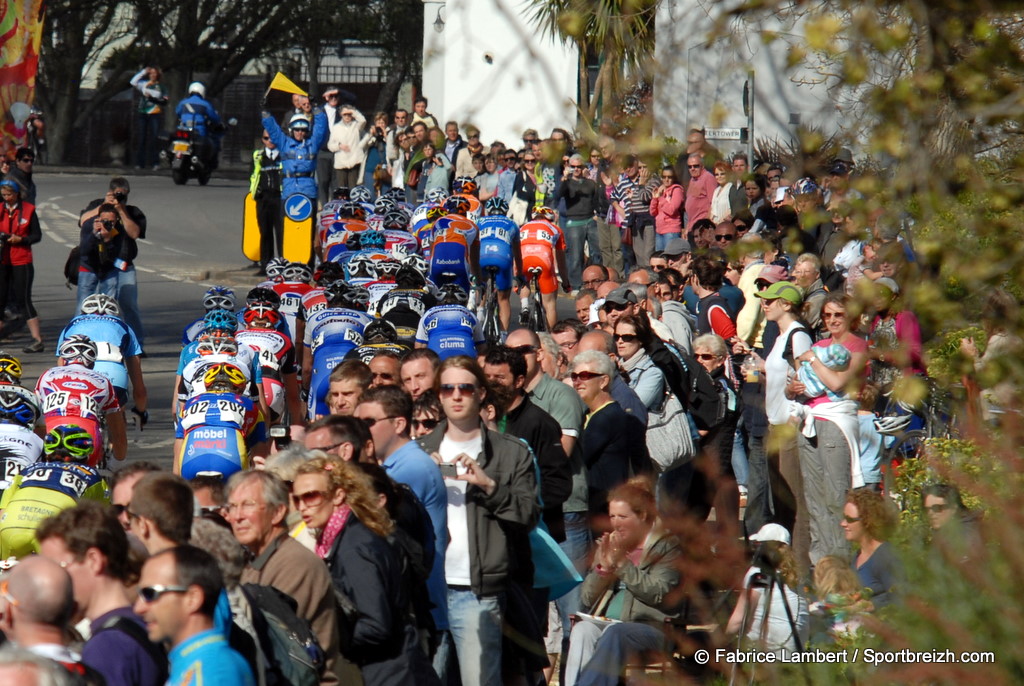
(250, 230)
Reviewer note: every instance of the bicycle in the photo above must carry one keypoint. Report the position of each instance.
(489, 319)
(533, 315)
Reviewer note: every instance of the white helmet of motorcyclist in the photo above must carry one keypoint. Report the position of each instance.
(197, 88)
(298, 121)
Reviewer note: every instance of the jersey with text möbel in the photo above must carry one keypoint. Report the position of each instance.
(217, 431)
(114, 342)
(450, 330)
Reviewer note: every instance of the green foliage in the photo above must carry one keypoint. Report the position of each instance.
(945, 361)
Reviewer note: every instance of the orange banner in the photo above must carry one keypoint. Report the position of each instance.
(21, 30)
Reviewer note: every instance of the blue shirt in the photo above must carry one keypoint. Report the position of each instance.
(414, 468)
(450, 330)
(115, 341)
(207, 660)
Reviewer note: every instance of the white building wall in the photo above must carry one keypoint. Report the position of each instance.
(492, 68)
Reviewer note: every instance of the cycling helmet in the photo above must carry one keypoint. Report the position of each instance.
(275, 266)
(380, 331)
(340, 193)
(224, 376)
(408, 277)
(263, 296)
(360, 267)
(217, 343)
(358, 297)
(298, 122)
(396, 220)
(10, 368)
(19, 406)
(352, 210)
(335, 291)
(891, 426)
(465, 185)
(396, 194)
(435, 213)
(386, 269)
(352, 241)
(456, 205)
(454, 294)
(417, 262)
(219, 298)
(78, 348)
(371, 238)
(220, 320)
(98, 303)
(69, 443)
(297, 272)
(541, 212)
(384, 204)
(360, 194)
(261, 311)
(496, 206)
(197, 88)
(437, 195)
(328, 272)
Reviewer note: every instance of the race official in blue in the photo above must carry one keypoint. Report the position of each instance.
(298, 151)
(178, 593)
(197, 113)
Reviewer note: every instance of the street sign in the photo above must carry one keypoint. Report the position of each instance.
(723, 134)
(298, 207)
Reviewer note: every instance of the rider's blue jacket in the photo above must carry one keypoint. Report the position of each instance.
(298, 159)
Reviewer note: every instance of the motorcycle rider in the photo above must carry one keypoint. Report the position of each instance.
(298, 151)
(195, 112)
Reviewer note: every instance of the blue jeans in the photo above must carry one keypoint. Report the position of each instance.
(661, 240)
(475, 625)
(598, 655)
(576, 233)
(739, 455)
(89, 283)
(128, 298)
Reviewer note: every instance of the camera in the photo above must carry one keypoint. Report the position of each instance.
(120, 197)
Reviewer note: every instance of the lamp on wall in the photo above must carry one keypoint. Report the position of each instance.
(439, 22)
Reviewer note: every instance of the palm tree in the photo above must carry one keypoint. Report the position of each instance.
(620, 33)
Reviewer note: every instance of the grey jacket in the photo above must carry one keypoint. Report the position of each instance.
(502, 520)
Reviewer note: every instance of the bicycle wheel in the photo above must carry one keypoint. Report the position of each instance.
(538, 316)
(491, 324)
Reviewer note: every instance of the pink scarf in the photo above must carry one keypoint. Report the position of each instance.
(335, 525)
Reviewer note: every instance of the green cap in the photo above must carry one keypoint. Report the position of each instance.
(784, 290)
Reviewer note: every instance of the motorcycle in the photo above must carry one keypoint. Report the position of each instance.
(192, 155)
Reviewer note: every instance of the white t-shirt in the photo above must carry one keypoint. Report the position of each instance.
(777, 633)
(777, 371)
(456, 560)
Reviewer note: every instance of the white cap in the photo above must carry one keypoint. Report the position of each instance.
(772, 532)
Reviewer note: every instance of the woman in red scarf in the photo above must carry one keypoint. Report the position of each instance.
(339, 503)
(19, 229)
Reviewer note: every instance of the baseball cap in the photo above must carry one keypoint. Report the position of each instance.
(885, 281)
(771, 532)
(784, 290)
(621, 296)
(677, 247)
(773, 273)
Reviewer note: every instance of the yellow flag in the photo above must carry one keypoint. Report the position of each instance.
(283, 83)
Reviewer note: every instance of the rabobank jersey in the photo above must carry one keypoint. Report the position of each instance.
(449, 254)
(114, 341)
(291, 294)
(464, 226)
(450, 330)
(336, 327)
(19, 448)
(76, 391)
(217, 432)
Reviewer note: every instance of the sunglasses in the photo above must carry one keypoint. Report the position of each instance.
(608, 307)
(119, 509)
(775, 178)
(935, 509)
(576, 166)
(370, 421)
(851, 520)
(833, 315)
(724, 237)
(693, 166)
(266, 138)
(705, 356)
(427, 424)
(448, 389)
(310, 498)
(524, 349)
(584, 376)
(626, 337)
(529, 159)
(151, 594)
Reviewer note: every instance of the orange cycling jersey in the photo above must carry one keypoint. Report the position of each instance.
(539, 241)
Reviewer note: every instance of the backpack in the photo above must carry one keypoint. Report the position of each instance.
(71, 267)
(139, 635)
(691, 383)
(293, 653)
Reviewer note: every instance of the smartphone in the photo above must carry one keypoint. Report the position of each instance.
(448, 470)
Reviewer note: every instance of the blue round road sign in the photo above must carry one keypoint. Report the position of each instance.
(298, 208)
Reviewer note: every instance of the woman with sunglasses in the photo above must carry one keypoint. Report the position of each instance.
(338, 501)
(667, 208)
(607, 449)
(867, 521)
(633, 335)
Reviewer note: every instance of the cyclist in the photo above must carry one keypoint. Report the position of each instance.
(48, 487)
(423, 231)
(451, 250)
(543, 246)
(450, 329)
(74, 393)
(350, 219)
(216, 298)
(10, 368)
(330, 335)
(19, 444)
(405, 305)
(468, 188)
(276, 355)
(378, 336)
(117, 350)
(293, 285)
(220, 429)
(499, 249)
(216, 344)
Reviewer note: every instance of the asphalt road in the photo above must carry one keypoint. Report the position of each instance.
(193, 241)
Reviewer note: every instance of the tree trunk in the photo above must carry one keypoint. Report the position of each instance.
(388, 96)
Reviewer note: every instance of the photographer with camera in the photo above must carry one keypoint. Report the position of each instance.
(114, 274)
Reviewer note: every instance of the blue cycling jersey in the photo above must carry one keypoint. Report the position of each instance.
(114, 341)
(206, 659)
(497, 239)
(218, 430)
(332, 326)
(450, 330)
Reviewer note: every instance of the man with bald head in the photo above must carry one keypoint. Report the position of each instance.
(37, 607)
(594, 276)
